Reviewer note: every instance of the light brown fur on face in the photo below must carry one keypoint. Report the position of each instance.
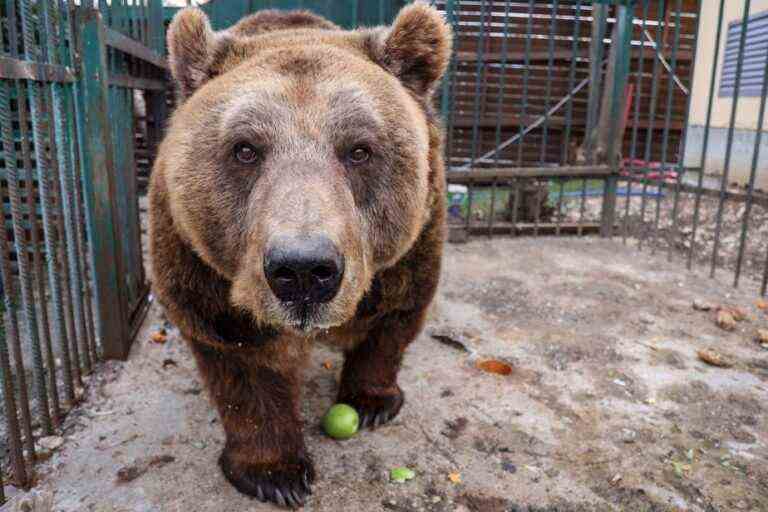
(303, 94)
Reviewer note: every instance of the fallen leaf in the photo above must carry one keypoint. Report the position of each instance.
(680, 468)
(328, 364)
(401, 475)
(714, 358)
(495, 366)
(159, 337)
(725, 320)
(762, 336)
(762, 304)
(455, 478)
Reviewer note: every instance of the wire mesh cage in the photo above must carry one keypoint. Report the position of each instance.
(72, 273)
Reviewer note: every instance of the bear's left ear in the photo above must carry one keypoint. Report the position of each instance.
(191, 45)
(416, 48)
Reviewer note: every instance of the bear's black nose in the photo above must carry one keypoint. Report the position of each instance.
(305, 270)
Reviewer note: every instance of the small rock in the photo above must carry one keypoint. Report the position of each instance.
(647, 319)
(455, 428)
(628, 435)
(616, 479)
(762, 336)
(701, 305)
(50, 443)
(508, 467)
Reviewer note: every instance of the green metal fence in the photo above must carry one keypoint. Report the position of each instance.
(71, 258)
(572, 116)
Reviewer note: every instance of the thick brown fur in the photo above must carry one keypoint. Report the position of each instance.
(302, 91)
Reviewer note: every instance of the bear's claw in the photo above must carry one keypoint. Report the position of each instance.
(286, 485)
(376, 410)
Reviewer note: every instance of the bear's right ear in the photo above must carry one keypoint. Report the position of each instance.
(191, 44)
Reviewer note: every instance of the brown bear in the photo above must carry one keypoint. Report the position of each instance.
(298, 197)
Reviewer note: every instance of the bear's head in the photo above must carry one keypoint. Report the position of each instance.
(299, 157)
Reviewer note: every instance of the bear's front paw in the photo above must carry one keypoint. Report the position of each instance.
(286, 484)
(375, 406)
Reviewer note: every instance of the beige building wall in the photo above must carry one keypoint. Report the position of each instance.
(748, 108)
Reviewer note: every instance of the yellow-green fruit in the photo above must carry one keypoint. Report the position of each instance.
(341, 421)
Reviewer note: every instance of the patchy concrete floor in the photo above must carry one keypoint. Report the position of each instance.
(607, 406)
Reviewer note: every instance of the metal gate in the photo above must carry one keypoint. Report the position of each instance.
(71, 258)
(613, 117)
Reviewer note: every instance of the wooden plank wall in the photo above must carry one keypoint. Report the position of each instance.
(478, 97)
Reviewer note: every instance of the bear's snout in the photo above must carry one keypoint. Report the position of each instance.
(303, 270)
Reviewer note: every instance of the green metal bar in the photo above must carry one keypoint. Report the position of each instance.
(526, 77)
(127, 45)
(599, 19)
(684, 136)
(56, 54)
(651, 115)
(667, 119)
(97, 168)
(624, 19)
(572, 79)
(14, 192)
(636, 120)
(596, 50)
(37, 71)
(11, 331)
(705, 142)
(479, 73)
(61, 98)
(71, 33)
(27, 298)
(499, 111)
(548, 88)
(729, 143)
(569, 112)
(43, 170)
(752, 175)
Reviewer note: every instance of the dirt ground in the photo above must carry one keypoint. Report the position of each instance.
(607, 406)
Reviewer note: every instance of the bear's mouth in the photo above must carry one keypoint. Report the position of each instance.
(303, 316)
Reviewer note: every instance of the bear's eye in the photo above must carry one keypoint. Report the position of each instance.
(246, 154)
(359, 155)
